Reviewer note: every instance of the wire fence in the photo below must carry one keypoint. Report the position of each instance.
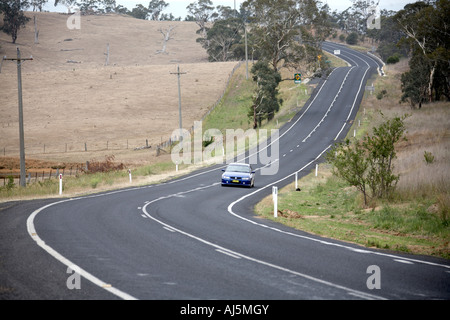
(40, 175)
(96, 146)
(90, 146)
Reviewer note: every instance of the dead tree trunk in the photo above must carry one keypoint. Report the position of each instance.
(36, 31)
(107, 55)
(166, 37)
(431, 82)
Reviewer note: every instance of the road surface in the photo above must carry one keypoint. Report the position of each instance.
(191, 239)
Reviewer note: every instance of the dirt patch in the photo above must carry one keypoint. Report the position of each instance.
(286, 213)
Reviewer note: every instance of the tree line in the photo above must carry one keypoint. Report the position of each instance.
(426, 26)
(419, 32)
(289, 33)
(276, 33)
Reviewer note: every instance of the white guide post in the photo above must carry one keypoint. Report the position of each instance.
(60, 184)
(275, 201)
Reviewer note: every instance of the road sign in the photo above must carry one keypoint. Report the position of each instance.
(297, 78)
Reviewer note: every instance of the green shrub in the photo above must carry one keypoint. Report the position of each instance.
(393, 59)
(10, 185)
(352, 38)
(368, 164)
(429, 158)
(94, 182)
(381, 94)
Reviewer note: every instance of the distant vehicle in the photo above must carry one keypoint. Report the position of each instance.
(238, 174)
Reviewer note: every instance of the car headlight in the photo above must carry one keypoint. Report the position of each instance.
(225, 177)
(245, 179)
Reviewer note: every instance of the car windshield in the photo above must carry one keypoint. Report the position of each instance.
(238, 168)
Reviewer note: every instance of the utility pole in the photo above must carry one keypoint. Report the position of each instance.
(21, 131)
(246, 52)
(178, 73)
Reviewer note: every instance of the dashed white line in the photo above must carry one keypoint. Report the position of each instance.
(238, 255)
(331, 105)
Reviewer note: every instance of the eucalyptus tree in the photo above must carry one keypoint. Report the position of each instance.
(13, 17)
(286, 30)
(155, 8)
(265, 102)
(202, 12)
(426, 27)
(38, 4)
(276, 27)
(222, 37)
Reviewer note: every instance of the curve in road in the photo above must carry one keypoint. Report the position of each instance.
(190, 238)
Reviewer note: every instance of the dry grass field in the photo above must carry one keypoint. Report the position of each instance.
(428, 130)
(72, 100)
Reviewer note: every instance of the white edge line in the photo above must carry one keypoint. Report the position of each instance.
(228, 253)
(32, 232)
(339, 133)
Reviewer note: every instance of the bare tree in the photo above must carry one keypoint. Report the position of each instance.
(167, 32)
(36, 31)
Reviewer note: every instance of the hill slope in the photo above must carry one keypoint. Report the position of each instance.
(132, 42)
(71, 98)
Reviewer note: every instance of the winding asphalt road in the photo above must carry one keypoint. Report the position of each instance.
(190, 238)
